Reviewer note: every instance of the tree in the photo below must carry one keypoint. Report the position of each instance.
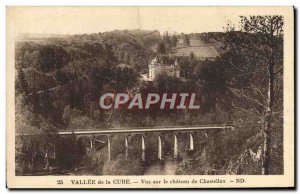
(213, 83)
(260, 40)
(174, 40)
(192, 56)
(161, 48)
(167, 41)
(21, 82)
(51, 57)
(186, 40)
(125, 78)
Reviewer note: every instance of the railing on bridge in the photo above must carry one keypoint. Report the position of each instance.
(141, 131)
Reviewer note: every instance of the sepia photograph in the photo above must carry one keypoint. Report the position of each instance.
(156, 92)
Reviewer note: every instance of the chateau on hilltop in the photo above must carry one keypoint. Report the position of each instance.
(160, 65)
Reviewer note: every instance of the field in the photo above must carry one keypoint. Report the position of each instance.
(198, 48)
(199, 51)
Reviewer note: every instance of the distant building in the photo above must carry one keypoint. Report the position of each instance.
(160, 66)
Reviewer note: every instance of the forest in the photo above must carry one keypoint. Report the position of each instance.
(59, 81)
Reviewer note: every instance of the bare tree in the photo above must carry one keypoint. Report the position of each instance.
(261, 38)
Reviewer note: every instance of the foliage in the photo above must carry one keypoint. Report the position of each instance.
(59, 82)
(186, 40)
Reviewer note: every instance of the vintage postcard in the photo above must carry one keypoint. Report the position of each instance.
(150, 97)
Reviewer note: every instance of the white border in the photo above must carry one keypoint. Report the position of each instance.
(4, 3)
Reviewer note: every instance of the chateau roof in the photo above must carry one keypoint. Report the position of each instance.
(161, 60)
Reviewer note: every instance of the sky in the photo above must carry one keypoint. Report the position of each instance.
(75, 20)
(80, 20)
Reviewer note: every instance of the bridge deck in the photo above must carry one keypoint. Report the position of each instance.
(142, 130)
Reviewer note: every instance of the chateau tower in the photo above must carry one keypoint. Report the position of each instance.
(159, 66)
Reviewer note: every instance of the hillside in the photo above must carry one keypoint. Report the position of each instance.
(59, 81)
(201, 48)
